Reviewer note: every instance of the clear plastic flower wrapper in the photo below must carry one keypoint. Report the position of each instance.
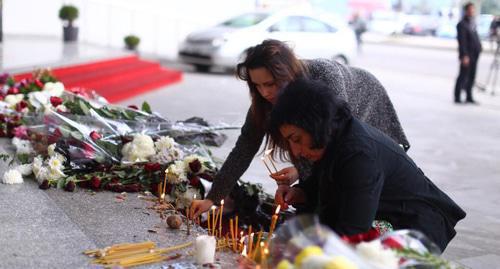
(303, 242)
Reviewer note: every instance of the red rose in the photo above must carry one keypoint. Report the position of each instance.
(38, 83)
(194, 181)
(70, 186)
(95, 135)
(95, 183)
(151, 167)
(392, 243)
(45, 185)
(54, 136)
(13, 90)
(21, 105)
(88, 150)
(55, 101)
(195, 166)
(133, 107)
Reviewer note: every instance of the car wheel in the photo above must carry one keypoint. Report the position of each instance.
(202, 68)
(341, 59)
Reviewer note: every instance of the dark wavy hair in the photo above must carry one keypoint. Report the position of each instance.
(278, 58)
(310, 105)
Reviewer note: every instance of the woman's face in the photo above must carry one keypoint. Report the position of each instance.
(265, 83)
(300, 143)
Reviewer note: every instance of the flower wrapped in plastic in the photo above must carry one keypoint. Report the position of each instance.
(302, 242)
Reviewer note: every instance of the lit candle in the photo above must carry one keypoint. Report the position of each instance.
(264, 259)
(205, 249)
(220, 218)
(165, 182)
(250, 244)
(274, 219)
(208, 222)
(259, 237)
(264, 161)
(242, 240)
(236, 227)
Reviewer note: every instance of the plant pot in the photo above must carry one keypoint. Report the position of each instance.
(70, 33)
(131, 47)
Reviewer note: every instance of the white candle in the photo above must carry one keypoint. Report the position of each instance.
(205, 249)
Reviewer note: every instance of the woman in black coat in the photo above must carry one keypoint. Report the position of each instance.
(359, 173)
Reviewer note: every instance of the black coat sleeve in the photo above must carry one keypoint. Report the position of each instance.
(360, 187)
(462, 40)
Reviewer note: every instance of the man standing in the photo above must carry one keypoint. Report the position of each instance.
(469, 48)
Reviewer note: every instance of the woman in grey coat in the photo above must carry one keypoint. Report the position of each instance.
(270, 66)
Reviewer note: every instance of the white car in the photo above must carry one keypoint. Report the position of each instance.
(311, 36)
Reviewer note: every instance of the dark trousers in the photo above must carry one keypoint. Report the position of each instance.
(465, 80)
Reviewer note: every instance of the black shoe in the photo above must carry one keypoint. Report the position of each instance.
(457, 101)
(470, 101)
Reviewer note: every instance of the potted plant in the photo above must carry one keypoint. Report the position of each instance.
(68, 14)
(131, 42)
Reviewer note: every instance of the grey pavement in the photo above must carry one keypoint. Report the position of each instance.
(455, 145)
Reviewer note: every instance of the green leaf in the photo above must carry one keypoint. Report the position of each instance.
(61, 183)
(146, 108)
(23, 158)
(83, 107)
(77, 135)
(4, 157)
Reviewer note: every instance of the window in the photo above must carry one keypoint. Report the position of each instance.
(312, 25)
(245, 20)
(290, 24)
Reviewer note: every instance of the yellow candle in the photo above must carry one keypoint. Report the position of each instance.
(208, 221)
(220, 218)
(250, 244)
(231, 230)
(259, 237)
(274, 219)
(165, 181)
(213, 220)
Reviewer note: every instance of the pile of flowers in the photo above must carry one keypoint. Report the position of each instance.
(303, 243)
(67, 137)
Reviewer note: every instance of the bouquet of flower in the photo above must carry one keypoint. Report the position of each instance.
(303, 243)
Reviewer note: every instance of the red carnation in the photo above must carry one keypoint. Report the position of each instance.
(151, 167)
(38, 83)
(95, 183)
(21, 105)
(54, 136)
(55, 101)
(13, 90)
(133, 107)
(95, 135)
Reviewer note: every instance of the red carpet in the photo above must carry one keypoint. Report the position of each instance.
(115, 79)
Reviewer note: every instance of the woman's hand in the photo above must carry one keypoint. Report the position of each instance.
(286, 175)
(200, 206)
(286, 195)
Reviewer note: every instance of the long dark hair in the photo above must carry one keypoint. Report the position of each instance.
(278, 58)
(310, 105)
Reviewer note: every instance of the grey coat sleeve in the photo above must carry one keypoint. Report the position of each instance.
(238, 161)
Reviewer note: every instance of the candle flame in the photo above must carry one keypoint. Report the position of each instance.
(266, 251)
(222, 202)
(242, 239)
(277, 210)
(261, 244)
(267, 152)
(213, 208)
(162, 196)
(194, 197)
(262, 158)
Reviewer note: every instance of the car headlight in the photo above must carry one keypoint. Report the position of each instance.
(217, 42)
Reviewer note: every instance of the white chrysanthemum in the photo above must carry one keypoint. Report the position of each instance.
(176, 173)
(25, 169)
(12, 177)
(184, 199)
(54, 88)
(165, 142)
(377, 255)
(13, 99)
(55, 174)
(139, 150)
(22, 146)
(166, 150)
(55, 162)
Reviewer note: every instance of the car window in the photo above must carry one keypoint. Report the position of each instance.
(312, 25)
(245, 20)
(289, 24)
